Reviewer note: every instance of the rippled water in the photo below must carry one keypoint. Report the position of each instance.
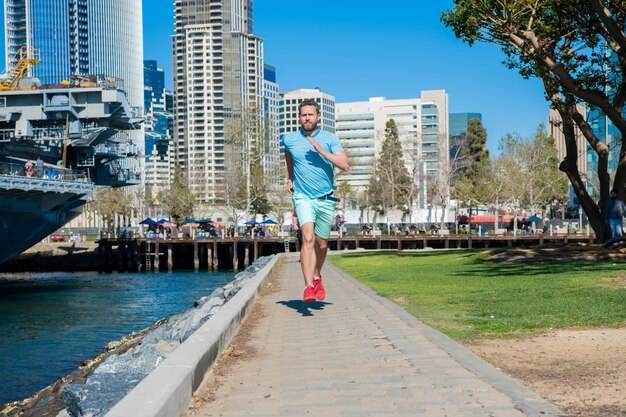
(50, 323)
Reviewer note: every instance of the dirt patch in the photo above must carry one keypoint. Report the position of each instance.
(400, 300)
(616, 282)
(240, 349)
(561, 253)
(583, 372)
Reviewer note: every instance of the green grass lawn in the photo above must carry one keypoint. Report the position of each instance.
(467, 296)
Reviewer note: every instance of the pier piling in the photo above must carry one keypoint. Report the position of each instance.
(145, 255)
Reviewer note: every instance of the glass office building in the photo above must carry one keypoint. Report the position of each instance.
(218, 74)
(80, 37)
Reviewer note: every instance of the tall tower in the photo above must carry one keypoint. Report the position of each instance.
(158, 129)
(218, 73)
(271, 108)
(81, 37)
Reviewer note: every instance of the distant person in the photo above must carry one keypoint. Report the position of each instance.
(615, 213)
(311, 157)
(29, 169)
(39, 164)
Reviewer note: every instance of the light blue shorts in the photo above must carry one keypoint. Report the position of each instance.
(319, 211)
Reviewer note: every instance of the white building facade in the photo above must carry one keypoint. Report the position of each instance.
(423, 132)
(218, 73)
(289, 117)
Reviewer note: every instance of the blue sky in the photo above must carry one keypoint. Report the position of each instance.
(357, 49)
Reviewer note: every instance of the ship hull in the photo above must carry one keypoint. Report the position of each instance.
(27, 217)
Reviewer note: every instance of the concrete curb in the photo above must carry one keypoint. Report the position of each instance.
(528, 401)
(167, 391)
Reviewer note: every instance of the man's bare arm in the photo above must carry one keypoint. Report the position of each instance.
(289, 163)
(338, 159)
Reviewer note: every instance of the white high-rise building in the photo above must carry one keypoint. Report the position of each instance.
(218, 73)
(423, 131)
(289, 118)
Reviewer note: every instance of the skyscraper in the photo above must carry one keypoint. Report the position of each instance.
(271, 110)
(154, 86)
(218, 73)
(81, 37)
(158, 128)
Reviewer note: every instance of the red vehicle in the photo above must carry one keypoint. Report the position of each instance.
(60, 238)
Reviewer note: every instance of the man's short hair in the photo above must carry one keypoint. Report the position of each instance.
(309, 102)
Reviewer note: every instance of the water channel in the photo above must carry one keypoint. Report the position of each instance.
(50, 323)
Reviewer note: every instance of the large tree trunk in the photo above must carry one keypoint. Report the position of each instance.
(594, 212)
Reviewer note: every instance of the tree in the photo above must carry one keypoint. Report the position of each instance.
(504, 183)
(525, 175)
(417, 177)
(439, 185)
(564, 43)
(230, 196)
(179, 201)
(258, 189)
(543, 183)
(110, 203)
(390, 180)
(473, 151)
(344, 192)
(247, 139)
(476, 151)
(471, 167)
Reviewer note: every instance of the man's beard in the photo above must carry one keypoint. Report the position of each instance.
(312, 129)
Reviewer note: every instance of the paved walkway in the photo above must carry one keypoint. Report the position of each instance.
(356, 354)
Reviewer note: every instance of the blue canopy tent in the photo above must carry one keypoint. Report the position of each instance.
(270, 221)
(251, 222)
(534, 218)
(148, 221)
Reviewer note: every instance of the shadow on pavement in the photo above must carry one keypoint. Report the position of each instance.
(304, 308)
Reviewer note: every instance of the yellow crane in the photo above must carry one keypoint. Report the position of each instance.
(26, 58)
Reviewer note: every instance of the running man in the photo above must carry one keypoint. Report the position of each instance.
(311, 158)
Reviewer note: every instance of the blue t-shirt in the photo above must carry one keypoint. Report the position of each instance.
(312, 173)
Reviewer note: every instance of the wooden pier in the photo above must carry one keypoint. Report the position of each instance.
(147, 255)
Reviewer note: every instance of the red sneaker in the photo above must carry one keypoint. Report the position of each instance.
(309, 294)
(320, 292)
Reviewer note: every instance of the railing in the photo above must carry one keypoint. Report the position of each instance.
(46, 173)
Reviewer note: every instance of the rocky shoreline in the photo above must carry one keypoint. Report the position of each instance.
(101, 382)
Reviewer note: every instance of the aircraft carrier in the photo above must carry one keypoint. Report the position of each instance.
(78, 132)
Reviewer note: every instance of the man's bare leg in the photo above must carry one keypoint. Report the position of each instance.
(321, 247)
(308, 252)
